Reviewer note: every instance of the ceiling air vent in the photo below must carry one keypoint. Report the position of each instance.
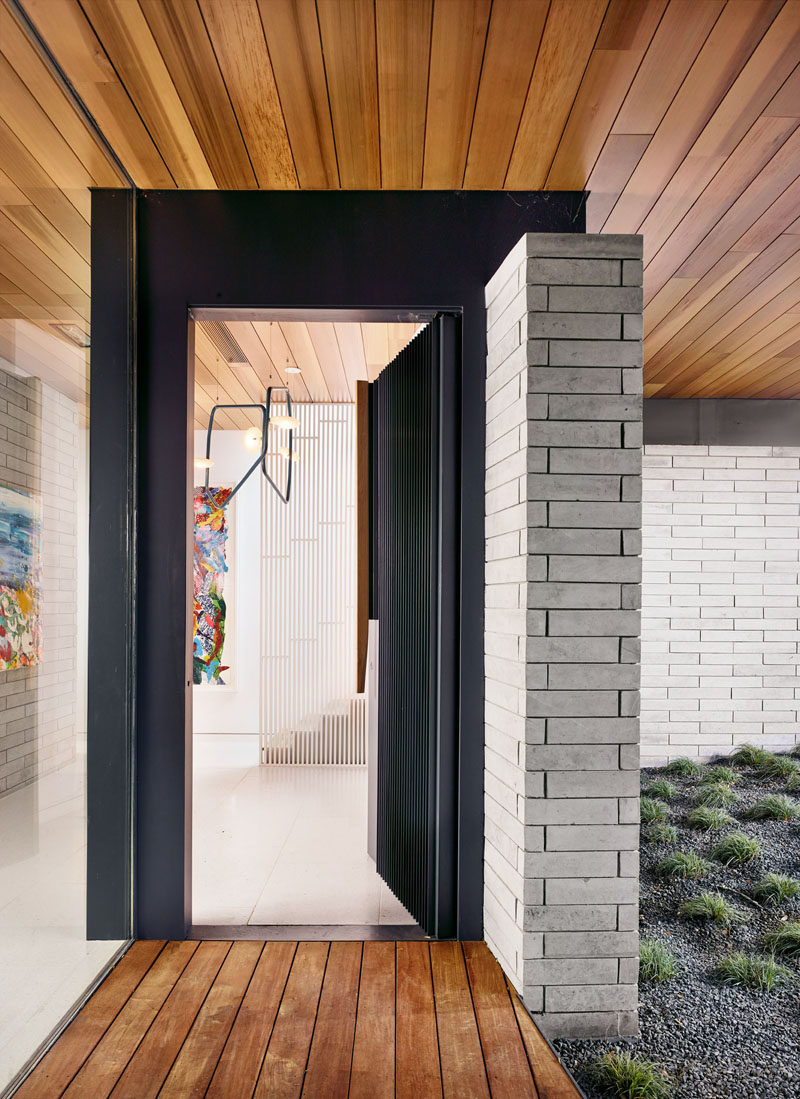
(224, 342)
(72, 333)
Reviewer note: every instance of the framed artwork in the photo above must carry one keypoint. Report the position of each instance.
(213, 559)
(20, 579)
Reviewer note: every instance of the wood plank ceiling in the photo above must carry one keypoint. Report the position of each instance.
(681, 117)
(330, 358)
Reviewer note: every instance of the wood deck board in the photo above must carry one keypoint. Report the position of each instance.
(342, 1019)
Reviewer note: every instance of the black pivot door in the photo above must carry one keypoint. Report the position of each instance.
(414, 416)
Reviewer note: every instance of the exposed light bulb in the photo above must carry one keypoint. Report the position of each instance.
(286, 453)
(252, 439)
(285, 422)
(203, 463)
(293, 370)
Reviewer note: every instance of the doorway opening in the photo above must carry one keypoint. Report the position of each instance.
(284, 660)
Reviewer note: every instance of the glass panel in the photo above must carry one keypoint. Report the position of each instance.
(48, 162)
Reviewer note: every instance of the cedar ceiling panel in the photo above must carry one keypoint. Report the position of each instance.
(41, 233)
(269, 372)
(569, 35)
(305, 356)
(292, 33)
(677, 42)
(351, 346)
(752, 289)
(621, 153)
(326, 346)
(763, 165)
(37, 187)
(347, 30)
(457, 47)
(515, 31)
(68, 33)
(625, 34)
(37, 78)
(403, 30)
(241, 50)
(182, 38)
(134, 53)
(733, 38)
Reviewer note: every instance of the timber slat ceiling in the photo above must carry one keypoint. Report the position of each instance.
(681, 117)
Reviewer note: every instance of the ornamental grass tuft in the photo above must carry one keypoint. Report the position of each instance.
(736, 849)
(714, 907)
(626, 1077)
(684, 766)
(750, 755)
(785, 941)
(793, 784)
(753, 971)
(661, 833)
(715, 795)
(709, 820)
(777, 767)
(720, 774)
(776, 888)
(650, 810)
(661, 788)
(775, 807)
(656, 961)
(683, 865)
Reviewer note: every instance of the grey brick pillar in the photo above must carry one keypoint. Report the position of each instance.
(563, 538)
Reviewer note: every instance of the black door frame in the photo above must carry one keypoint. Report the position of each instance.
(288, 250)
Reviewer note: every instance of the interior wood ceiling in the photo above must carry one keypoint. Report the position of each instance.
(680, 116)
(331, 358)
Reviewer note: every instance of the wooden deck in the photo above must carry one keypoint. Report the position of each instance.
(364, 1020)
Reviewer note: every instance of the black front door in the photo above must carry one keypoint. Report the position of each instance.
(415, 555)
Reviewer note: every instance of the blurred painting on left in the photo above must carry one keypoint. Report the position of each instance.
(20, 579)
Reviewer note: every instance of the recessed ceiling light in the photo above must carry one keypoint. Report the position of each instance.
(293, 370)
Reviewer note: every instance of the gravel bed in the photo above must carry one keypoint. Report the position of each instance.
(715, 1042)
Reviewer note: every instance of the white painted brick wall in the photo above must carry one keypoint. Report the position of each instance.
(563, 517)
(720, 600)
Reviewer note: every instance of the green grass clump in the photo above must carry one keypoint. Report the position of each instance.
(793, 784)
(709, 820)
(776, 888)
(785, 941)
(720, 774)
(736, 849)
(626, 1077)
(684, 766)
(752, 970)
(651, 810)
(715, 795)
(775, 807)
(750, 755)
(779, 767)
(795, 751)
(683, 865)
(662, 789)
(656, 961)
(712, 906)
(661, 833)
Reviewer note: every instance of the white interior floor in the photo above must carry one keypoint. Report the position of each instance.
(281, 845)
(45, 962)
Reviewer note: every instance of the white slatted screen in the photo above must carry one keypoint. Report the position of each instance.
(310, 714)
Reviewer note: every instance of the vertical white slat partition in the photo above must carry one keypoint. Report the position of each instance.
(310, 713)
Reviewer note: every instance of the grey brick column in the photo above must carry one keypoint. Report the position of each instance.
(563, 572)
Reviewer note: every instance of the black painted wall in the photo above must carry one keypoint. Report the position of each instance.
(379, 250)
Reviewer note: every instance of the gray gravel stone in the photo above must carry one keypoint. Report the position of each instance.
(716, 1042)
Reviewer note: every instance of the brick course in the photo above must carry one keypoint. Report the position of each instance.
(563, 515)
(720, 600)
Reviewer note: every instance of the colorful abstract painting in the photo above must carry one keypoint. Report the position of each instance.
(211, 547)
(20, 580)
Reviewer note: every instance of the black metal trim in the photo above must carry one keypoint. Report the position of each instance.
(112, 573)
